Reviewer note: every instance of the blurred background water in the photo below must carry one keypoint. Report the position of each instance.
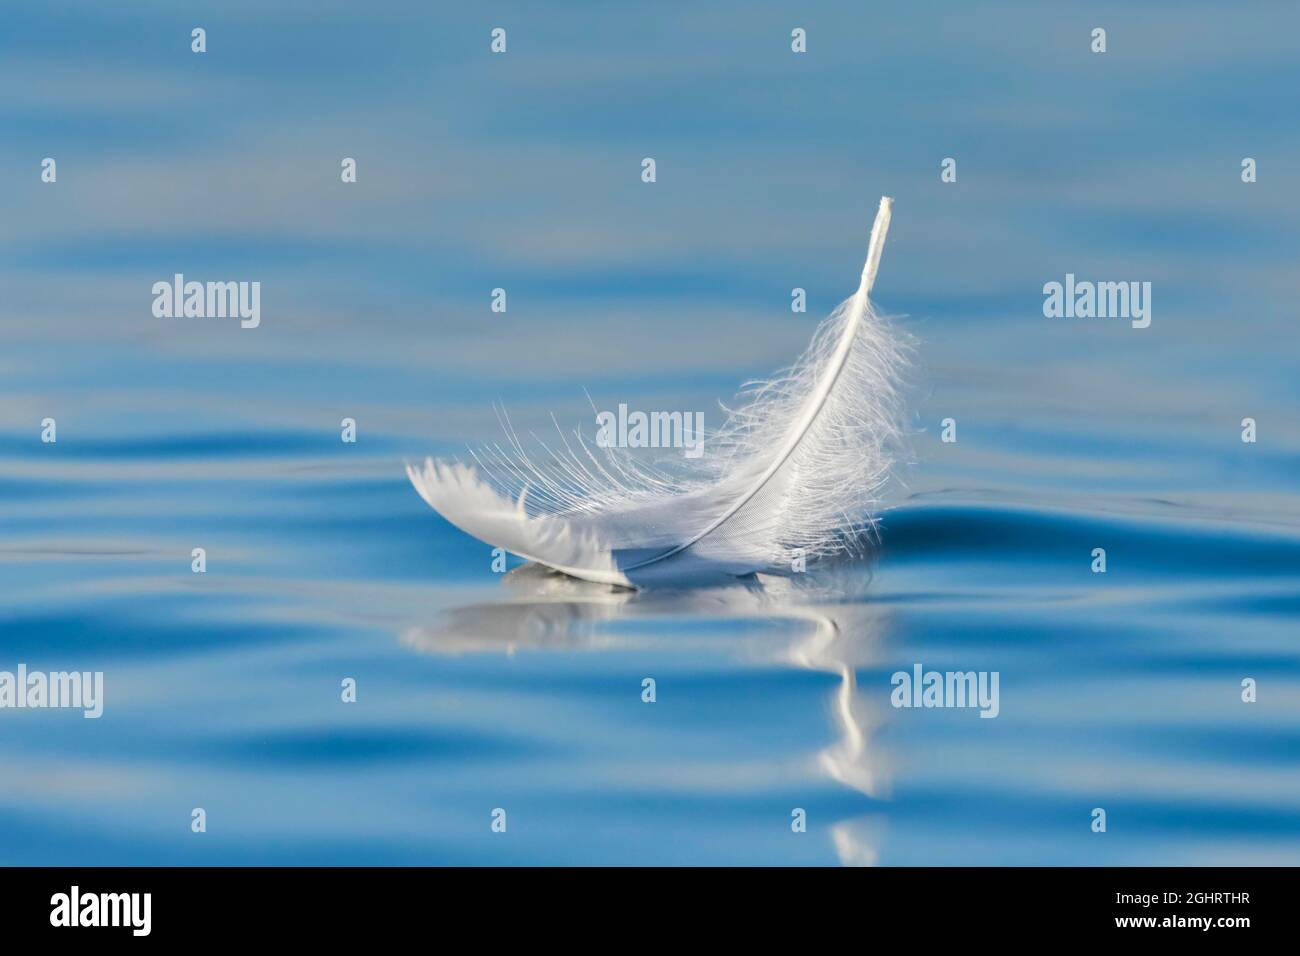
(1118, 690)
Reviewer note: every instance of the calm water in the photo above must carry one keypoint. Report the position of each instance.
(523, 692)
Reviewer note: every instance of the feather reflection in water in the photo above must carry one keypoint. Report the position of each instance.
(544, 610)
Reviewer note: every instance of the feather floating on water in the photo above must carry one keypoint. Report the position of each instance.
(794, 473)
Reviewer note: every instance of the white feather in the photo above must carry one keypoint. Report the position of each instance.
(797, 468)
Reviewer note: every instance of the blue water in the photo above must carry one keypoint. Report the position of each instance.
(478, 691)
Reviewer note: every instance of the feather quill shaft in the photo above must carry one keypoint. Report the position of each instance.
(815, 402)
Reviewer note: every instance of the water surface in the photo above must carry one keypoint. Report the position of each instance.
(478, 691)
